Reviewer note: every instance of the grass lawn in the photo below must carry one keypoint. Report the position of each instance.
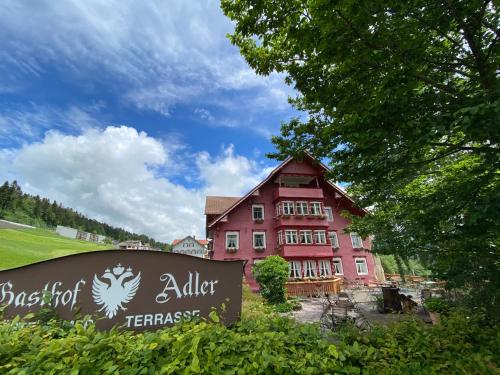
(19, 247)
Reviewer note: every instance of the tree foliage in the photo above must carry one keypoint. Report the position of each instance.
(272, 274)
(403, 98)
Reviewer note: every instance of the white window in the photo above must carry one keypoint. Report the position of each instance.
(334, 241)
(258, 212)
(309, 268)
(232, 240)
(325, 269)
(259, 240)
(288, 208)
(361, 267)
(295, 268)
(329, 213)
(280, 237)
(315, 208)
(278, 209)
(291, 237)
(305, 237)
(320, 237)
(337, 266)
(302, 208)
(357, 242)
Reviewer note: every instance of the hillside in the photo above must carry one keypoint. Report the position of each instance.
(19, 247)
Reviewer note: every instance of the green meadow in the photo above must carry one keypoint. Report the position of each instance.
(19, 247)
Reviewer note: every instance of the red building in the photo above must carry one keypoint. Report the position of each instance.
(295, 213)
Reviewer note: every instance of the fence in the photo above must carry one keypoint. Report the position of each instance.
(310, 288)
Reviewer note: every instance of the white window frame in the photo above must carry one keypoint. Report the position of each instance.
(295, 269)
(303, 234)
(280, 237)
(329, 214)
(335, 242)
(317, 237)
(279, 209)
(230, 233)
(356, 241)
(341, 267)
(310, 265)
(263, 240)
(254, 206)
(300, 206)
(288, 207)
(361, 261)
(293, 234)
(325, 268)
(313, 210)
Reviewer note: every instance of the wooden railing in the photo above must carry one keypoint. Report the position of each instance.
(313, 288)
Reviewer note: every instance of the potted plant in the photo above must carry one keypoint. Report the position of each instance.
(435, 306)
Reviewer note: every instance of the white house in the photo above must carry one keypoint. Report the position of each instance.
(190, 246)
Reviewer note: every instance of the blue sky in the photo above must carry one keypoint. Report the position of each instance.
(132, 112)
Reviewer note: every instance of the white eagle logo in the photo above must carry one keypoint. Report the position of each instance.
(117, 292)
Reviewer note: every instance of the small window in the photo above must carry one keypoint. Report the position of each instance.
(280, 238)
(361, 267)
(259, 240)
(309, 268)
(279, 209)
(357, 242)
(320, 237)
(295, 268)
(325, 269)
(315, 208)
(337, 266)
(258, 212)
(288, 208)
(329, 213)
(334, 241)
(305, 237)
(302, 208)
(291, 237)
(232, 240)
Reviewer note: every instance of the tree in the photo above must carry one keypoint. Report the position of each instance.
(403, 98)
(271, 274)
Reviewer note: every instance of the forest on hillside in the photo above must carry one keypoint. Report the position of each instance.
(15, 205)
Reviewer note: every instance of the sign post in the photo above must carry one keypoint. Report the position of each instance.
(136, 289)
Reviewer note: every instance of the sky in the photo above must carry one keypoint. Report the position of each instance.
(132, 112)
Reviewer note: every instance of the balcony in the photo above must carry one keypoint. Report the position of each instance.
(313, 288)
(301, 220)
(298, 193)
(307, 251)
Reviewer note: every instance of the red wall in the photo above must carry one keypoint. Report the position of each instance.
(240, 219)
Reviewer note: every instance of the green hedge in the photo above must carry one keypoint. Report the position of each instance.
(262, 344)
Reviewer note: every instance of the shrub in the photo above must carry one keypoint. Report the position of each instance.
(438, 305)
(264, 344)
(271, 274)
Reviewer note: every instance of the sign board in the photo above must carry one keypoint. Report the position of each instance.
(136, 289)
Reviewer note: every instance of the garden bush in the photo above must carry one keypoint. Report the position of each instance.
(271, 274)
(263, 344)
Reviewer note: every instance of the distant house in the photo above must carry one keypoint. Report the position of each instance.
(79, 234)
(133, 245)
(190, 246)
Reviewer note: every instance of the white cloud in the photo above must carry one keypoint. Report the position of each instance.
(160, 53)
(229, 174)
(112, 175)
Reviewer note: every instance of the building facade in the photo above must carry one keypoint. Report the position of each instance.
(295, 213)
(79, 234)
(133, 245)
(190, 246)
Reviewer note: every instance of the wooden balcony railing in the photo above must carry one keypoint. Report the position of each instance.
(313, 288)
